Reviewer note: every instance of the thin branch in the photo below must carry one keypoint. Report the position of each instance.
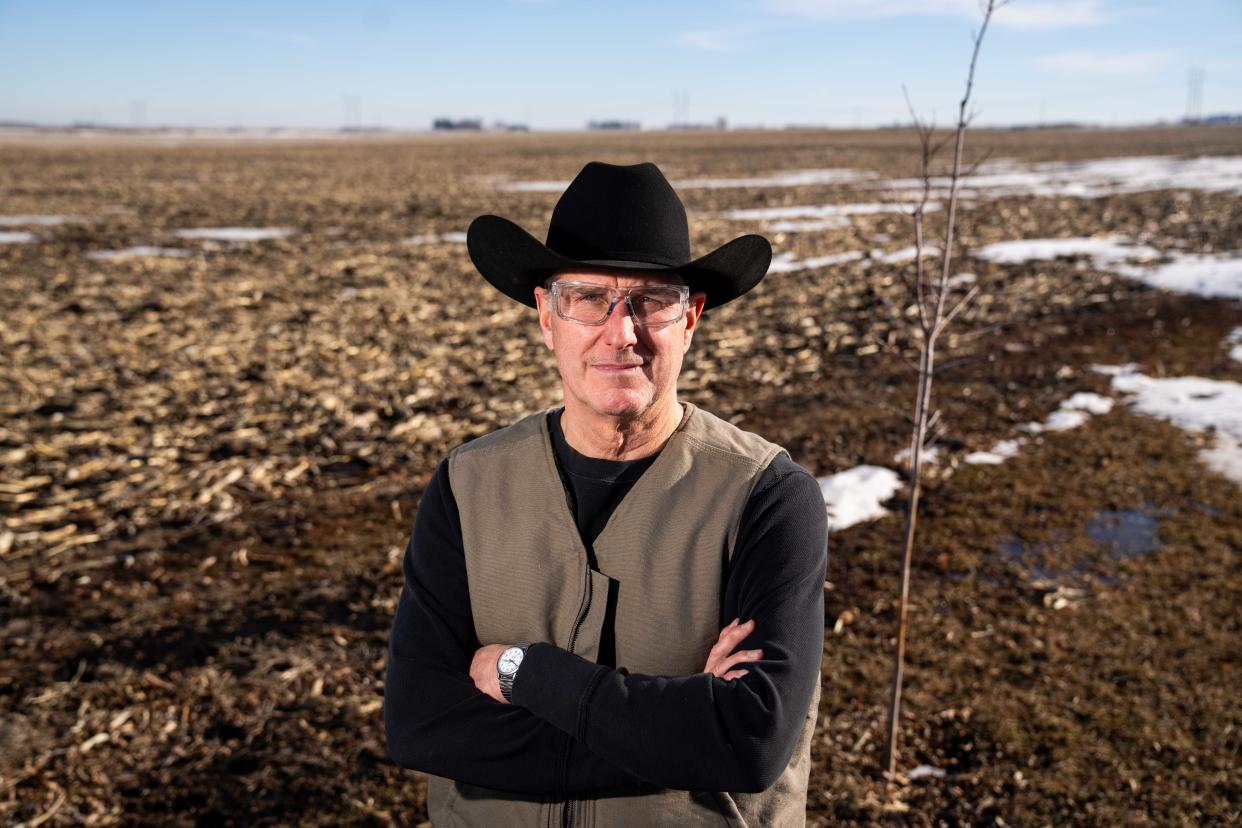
(892, 409)
(964, 360)
(978, 162)
(983, 330)
(961, 304)
(944, 142)
(893, 349)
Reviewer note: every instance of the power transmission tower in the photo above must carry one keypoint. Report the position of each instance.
(681, 109)
(1194, 95)
(352, 103)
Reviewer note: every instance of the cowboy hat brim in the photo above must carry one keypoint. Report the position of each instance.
(515, 262)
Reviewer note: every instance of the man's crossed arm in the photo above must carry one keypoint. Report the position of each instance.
(576, 725)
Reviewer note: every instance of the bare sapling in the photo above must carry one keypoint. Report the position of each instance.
(930, 289)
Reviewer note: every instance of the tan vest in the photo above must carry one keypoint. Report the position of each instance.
(666, 545)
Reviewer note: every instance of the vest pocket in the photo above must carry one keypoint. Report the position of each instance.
(441, 796)
(723, 804)
(668, 807)
(460, 804)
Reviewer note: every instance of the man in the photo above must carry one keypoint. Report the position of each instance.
(613, 610)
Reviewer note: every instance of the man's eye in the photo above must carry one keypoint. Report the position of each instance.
(591, 297)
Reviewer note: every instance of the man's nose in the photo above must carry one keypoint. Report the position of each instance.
(619, 326)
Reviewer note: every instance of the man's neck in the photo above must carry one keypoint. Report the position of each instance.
(619, 438)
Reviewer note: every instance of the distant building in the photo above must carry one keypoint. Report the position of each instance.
(1213, 120)
(474, 124)
(614, 125)
(720, 123)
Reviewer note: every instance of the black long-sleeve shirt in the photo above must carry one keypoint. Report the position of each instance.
(576, 725)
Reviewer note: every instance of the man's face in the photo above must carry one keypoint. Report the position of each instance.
(618, 368)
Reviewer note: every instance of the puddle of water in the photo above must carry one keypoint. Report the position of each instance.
(1126, 533)
(1026, 559)
(1123, 533)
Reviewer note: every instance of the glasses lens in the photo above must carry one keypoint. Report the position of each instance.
(654, 305)
(584, 303)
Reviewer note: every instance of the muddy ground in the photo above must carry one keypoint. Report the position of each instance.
(176, 658)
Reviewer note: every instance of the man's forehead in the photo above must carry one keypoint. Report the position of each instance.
(620, 278)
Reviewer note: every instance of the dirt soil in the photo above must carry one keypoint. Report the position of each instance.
(238, 438)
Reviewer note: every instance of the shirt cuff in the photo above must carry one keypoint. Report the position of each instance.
(556, 686)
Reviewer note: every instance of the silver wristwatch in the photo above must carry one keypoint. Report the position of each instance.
(507, 667)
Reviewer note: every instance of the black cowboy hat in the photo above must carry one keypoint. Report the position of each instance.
(615, 217)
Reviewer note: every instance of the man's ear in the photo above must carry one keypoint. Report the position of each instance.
(694, 309)
(542, 298)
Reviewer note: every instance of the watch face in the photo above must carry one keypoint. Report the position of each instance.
(510, 659)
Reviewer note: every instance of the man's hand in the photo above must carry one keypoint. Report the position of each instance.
(719, 660)
(483, 670)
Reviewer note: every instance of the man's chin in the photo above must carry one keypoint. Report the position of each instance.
(621, 403)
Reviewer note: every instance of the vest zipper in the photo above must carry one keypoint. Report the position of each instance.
(567, 812)
(568, 809)
(582, 613)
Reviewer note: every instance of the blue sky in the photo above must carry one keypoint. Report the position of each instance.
(556, 64)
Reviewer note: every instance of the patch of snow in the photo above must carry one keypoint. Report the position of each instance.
(961, 279)
(923, 771)
(134, 253)
(1002, 451)
(1092, 179)
(535, 186)
(1194, 404)
(1089, 401)
(1072, 412)
(16, 237)
(234, 234)
(905, 254)
(819, 211)
(805, 226)
(1103, 249)
(855, 495)
(928, 455)
(1206, 274)
(1235, 339)
(23, 221)
(1115, 370)
(437, 238)
(1224, 457)
(1061, 420)
(786, 178)
(786, 263)
(1214, 275)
